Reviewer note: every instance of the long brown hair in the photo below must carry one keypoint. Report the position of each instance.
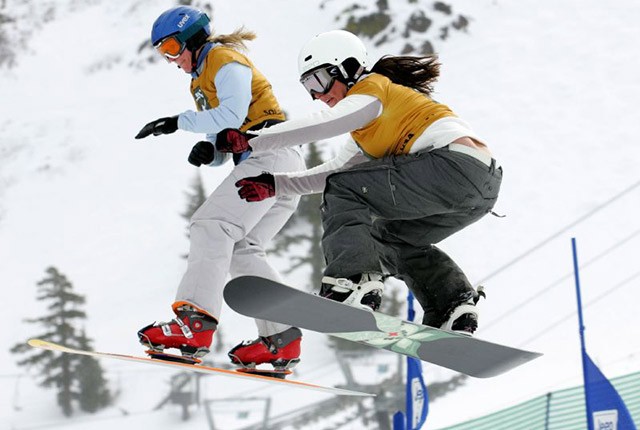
(418, 73)
(235, 39)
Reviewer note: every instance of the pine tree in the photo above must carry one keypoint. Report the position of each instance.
(93, 388)
(305, 226)
(57, 369)
(428, 24)
(196, 196)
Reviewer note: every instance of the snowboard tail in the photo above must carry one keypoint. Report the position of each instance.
(265, 299)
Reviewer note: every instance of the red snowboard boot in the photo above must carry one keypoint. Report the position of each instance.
(191, 332)
(281, 350)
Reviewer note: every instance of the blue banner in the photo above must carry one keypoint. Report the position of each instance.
(605, 408)
(417, 397)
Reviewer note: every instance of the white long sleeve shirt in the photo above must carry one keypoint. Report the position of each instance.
(351, 113)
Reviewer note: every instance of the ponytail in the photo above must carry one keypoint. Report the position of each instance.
(235, 39)
(418, 73)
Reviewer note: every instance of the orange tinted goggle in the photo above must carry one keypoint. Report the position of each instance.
(170, 47)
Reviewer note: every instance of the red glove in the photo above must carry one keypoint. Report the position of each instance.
(233, 140)
(257, 188)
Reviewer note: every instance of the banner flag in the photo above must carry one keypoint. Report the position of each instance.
(605, 408)
(417, 397)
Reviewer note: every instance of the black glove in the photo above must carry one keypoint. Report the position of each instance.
(201, 153)
(233, 140)
(160, 126)
(257, 188)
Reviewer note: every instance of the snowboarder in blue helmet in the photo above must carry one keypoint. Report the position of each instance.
(178, 29)
(227, 235)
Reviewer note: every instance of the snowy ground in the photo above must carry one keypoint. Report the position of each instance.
(552, 89)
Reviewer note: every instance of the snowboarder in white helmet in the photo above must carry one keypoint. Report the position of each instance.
(412, 174)
(336, 54)
(227, 235)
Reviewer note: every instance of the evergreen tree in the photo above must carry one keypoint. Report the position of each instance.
(93, 393)
(428, 24)
(305, 227)
(196, 196)
(58, 369)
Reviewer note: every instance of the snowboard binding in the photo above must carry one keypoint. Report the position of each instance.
(278, 373)
(161, 355)
(365, 294)
(463, 317)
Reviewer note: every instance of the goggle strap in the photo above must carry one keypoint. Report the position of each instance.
(343, 71)
(345, 74)
(193, 28)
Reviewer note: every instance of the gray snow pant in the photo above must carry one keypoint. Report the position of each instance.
(392, 210)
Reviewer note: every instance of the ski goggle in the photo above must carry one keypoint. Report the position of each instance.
(171, 47)
(319, 81)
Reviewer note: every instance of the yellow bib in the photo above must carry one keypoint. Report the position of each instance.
(263, 104)
(406, 114)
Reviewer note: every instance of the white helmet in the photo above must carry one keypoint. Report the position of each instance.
(335, 48)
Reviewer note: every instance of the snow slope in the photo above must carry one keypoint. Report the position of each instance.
(552, 89)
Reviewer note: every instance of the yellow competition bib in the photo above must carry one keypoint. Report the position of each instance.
(263, 104)
(406, 114)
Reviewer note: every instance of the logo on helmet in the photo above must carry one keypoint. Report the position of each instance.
(183, 21)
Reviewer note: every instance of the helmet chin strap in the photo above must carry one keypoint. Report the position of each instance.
(195, 45)
(194, 63)
(194, 60)
(350, 80)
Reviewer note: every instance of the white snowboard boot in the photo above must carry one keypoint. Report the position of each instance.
(464, 317)
(367, 293)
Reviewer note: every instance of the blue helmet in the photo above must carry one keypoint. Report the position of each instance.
(183, 21)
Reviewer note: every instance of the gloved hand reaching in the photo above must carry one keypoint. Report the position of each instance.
(202, 153)
(257, 188)
(160, 126)
(233, 140)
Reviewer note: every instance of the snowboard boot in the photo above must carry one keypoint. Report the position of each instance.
(463, 317)
(281, 350)
(366, 293)
(191, 332)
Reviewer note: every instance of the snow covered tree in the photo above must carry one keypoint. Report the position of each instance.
(415, 25)
(196, 196)
(304, 228)
(93, 390)
(65, 372)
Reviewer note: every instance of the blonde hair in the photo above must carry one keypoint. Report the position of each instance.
(235, 39)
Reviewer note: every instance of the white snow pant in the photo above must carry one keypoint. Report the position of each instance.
(229, 235)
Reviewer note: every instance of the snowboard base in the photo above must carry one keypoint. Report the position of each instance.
(43, 344)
